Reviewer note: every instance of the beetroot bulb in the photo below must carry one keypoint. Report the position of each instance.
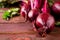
(55, 6)
(56, 10)
(44, 22)
(25, 8)
(32, 15)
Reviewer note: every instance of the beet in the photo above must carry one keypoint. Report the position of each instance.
(32, 15)
(44, 22)
(56, 8)
(25, 8)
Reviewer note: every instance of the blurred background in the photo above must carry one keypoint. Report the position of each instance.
(11, 3)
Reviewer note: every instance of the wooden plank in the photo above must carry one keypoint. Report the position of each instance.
(16, 28)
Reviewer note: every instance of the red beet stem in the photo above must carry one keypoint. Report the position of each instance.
(32, 3)
(45, 8)
(36, 4)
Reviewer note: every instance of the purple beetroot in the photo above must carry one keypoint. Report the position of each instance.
(44, 22)
(25, 8)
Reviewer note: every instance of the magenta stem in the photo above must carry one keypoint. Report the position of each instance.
(45, 6)
(32, 4)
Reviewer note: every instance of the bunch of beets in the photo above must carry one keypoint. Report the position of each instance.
(38, 12)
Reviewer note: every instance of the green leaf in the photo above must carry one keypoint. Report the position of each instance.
(50, 2)
(57, 23)
(6, 14)
(14, 9)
